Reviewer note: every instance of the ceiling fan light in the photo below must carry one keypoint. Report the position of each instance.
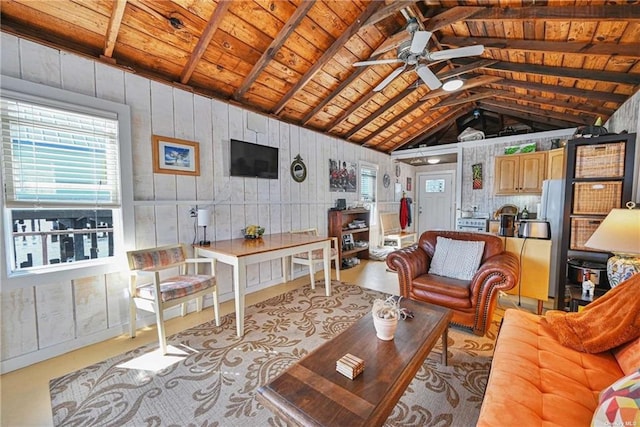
(433, 161)
(452, 85)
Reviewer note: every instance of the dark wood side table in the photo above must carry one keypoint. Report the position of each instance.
(578, 300)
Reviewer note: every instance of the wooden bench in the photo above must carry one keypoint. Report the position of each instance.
(391, 231)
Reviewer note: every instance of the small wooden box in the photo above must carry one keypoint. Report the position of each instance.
(350, 366)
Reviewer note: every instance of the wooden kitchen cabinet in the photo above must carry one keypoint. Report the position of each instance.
(520, 173)
(555, 164)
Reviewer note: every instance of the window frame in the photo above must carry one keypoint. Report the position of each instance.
(373, 216)
(122, 216)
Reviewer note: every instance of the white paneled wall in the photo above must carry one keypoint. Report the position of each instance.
(48, 319)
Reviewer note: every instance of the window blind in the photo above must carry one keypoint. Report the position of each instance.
(54, 157)
(368, 184)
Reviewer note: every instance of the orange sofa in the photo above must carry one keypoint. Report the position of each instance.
(535, 380)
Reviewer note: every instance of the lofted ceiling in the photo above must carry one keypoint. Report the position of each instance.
(546, 64)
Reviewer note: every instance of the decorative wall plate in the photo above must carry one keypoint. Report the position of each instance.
(386, 180)
(298, 169)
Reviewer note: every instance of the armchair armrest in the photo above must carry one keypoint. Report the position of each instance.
(409, 263)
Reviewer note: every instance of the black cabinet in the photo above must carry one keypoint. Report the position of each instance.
(599, 178)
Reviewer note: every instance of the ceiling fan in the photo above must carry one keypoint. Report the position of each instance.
(413, 52)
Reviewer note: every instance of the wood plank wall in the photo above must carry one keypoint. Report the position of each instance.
(42, 321)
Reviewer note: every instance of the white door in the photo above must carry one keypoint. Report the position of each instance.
(435, 194)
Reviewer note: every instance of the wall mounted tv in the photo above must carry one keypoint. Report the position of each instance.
(253, 160)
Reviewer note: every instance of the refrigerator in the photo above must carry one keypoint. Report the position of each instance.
(551, 209)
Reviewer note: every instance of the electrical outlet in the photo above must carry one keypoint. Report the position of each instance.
(193, 213)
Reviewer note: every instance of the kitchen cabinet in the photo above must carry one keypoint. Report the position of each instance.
(555, 164)
(599, 177)
(520, 173)
(351, 227)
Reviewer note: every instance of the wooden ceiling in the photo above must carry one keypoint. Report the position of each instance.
(546, 64)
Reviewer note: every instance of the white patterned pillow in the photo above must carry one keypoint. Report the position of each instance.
(458, 259)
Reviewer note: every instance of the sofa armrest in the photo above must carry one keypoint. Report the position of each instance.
(409, 263)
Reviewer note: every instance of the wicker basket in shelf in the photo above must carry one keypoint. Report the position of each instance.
(602, 160)
(581, 230)
(596, 198)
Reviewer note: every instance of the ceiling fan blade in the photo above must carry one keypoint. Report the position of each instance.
(377, 61)
(428, 77)
(457, 52)
(389, 78)
(419, 41)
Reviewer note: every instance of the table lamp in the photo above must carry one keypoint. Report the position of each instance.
(204, 217)
(619, 233)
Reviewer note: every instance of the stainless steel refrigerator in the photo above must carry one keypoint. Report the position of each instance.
(551, 209)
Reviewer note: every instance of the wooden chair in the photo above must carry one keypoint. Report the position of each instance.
(149, 291)
(391, 231)
(315, 257)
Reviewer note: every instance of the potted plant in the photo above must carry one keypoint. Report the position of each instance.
(386, 314)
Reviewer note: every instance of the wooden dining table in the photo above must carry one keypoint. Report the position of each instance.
(238, 253)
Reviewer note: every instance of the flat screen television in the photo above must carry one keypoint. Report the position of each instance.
(253, 160)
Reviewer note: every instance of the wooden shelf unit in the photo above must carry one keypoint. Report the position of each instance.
(338, 227)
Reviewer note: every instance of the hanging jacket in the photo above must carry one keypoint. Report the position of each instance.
(405, 215)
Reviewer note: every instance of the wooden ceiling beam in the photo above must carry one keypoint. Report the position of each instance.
(560, 72)
(557, 117)
(468, 84)
(542, 120)
(466, 68)
(462, 98)
(559, 13)
(205, 39)
(587, 107)
(391, 122)
(288, 28)
(566, 91)
(352, 29)
(388, 10)
(390, 103)
(577, 48)
(442, 121)
(114, 27)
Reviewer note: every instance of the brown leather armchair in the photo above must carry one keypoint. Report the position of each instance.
(472, 302)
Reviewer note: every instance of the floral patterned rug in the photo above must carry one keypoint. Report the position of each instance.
(216, 374)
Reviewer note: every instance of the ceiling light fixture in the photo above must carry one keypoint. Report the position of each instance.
(433, 161)
(452, 85)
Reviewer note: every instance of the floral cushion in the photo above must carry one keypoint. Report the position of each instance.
(177, 287)
(316, 254)
(144, 260)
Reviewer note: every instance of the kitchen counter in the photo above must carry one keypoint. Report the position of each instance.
(535, 259)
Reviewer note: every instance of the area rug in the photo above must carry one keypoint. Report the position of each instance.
(215, 378)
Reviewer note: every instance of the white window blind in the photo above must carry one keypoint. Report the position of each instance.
(54, 157)
(367, 184)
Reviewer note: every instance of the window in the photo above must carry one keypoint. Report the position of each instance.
(61, 177)
(367, 184)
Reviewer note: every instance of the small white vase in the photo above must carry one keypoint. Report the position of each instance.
(385, 328)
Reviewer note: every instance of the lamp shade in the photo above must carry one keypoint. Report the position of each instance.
(618, 233)
(204, 216)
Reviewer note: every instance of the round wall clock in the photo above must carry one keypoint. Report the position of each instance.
(398, 171)
(386, 180)
(298, 169)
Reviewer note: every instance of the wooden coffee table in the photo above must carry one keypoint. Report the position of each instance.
(313, 393)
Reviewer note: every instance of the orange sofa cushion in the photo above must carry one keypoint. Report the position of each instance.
(535, 380)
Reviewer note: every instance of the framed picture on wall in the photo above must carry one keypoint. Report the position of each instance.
(175, 156)
(408, 184)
